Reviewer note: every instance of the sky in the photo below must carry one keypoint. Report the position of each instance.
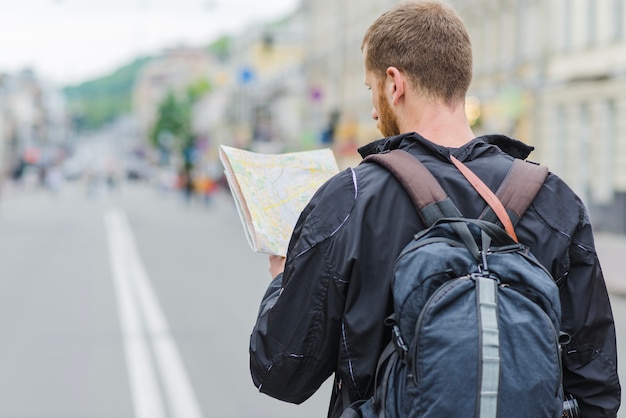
(70, 41)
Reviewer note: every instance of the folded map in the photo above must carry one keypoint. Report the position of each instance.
(271, 190)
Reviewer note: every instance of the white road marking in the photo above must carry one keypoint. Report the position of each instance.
(143, 382)
(136, 301)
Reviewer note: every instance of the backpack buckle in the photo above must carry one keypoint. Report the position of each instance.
(398, 341)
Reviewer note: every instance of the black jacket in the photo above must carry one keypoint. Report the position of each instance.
(325, 313)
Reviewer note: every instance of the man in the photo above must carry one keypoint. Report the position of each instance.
(324, 314)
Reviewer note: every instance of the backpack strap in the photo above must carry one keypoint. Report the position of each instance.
(518, 190)
(513, 197)
(488, 196)
(427, 195)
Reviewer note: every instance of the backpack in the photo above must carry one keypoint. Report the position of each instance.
(475, 328)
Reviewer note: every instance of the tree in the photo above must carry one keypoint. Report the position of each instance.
(172, 130)
(173, 123)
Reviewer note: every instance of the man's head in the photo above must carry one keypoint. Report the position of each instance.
(428, 43)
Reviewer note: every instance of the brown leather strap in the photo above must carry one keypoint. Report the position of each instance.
(520, 186)
(427, 195)
(419, 183)
(508, 204)
(489, 197)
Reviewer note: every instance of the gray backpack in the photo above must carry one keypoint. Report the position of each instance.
(475, 329)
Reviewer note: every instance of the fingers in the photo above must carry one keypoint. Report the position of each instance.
(277, 265)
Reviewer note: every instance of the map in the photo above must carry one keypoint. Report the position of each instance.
(271, 190)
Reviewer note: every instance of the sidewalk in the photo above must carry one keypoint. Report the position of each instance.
(611, 251)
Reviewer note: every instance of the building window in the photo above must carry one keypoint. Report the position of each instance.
(489, 45)
(618, 19)
(592, 28)
(603, 188)
(521, 28)
(559, 140)
(581, 165)
(506, 45)
(568, 24)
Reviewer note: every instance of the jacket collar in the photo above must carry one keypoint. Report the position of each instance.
(474, 148)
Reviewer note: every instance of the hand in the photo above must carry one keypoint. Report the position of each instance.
(277, 265)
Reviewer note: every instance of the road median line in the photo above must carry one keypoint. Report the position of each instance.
(146, 332)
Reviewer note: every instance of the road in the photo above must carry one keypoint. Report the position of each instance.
(129, 304)
(132, 303)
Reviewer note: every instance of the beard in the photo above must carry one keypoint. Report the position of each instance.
(387, 121)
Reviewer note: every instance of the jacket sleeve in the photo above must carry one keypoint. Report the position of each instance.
(293, 347)
(590, 359)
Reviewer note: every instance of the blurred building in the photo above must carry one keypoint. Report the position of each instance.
(263, 99)
(33, 122)
(334, 70)
(173, 71)
(552, 74)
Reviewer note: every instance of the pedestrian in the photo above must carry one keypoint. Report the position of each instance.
(324, 310)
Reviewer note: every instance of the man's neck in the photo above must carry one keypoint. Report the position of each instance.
(440, 124)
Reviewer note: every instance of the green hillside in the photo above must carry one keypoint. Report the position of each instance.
(96, 102)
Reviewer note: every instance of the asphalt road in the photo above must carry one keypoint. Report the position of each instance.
(129, 304)
(132, 303)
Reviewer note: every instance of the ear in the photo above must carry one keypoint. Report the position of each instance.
(397, 82)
